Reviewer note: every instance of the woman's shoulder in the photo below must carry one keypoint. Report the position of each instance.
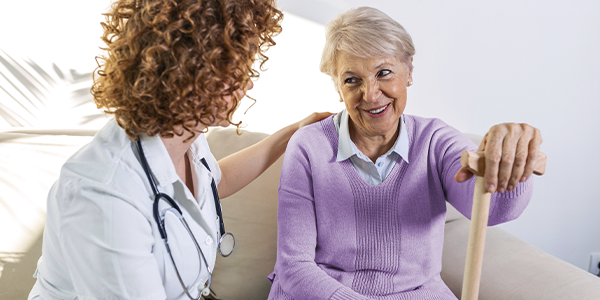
(433, 132)
(424, 123)
(104, 170)
(418, 126)
(108, 157)
(316, 131)
(317, 137)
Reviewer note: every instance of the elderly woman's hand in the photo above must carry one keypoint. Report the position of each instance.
(511, 151)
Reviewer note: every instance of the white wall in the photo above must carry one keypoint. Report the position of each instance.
(476, 65)
(66, 32)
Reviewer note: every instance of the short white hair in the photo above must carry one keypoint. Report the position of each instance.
(365, 32)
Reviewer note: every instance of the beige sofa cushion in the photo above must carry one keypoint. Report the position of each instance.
(514, 269)
(251, 215)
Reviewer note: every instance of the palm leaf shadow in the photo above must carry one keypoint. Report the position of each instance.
(28, 89)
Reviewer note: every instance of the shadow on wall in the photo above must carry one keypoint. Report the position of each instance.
(38, 95)
(16, 279)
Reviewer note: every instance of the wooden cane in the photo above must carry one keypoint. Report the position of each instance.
(475, 162)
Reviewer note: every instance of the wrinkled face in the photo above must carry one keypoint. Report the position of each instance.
(374, 92)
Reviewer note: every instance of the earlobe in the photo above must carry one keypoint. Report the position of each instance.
(340, 94)
(410, 79)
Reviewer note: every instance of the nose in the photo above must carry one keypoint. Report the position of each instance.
(370, 90)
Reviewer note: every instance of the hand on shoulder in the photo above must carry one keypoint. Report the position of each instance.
(312, 118)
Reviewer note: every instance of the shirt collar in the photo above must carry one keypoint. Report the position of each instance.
(347, 148)
(199, 150)
(160, 163)
(158, 159)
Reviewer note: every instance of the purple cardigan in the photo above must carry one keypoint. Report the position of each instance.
(341, 238)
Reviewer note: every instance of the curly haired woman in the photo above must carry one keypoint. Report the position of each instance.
(135, 214)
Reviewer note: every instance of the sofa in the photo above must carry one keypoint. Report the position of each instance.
(30, 161)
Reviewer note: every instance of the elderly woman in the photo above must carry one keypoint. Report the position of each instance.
(362, 198)
(135, 214)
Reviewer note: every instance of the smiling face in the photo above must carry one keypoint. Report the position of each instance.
(374, 92)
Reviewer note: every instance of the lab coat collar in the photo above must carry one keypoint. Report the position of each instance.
(199, 150)
(161, 165)
(160, 162)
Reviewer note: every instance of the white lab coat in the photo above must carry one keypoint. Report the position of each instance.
(101, 240)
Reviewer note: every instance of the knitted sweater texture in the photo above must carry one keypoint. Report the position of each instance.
(342, 238)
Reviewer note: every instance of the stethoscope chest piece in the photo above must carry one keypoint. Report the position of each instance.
(226, 244)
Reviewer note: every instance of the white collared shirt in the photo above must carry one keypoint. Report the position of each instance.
(373, 173)
(101, 240)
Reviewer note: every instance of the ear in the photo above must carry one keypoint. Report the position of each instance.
(337, 88)
(340, 94)
(410, 70)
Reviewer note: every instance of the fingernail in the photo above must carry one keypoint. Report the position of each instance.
(491, 188)
(510, 188)
(501, 190)
(523, 179)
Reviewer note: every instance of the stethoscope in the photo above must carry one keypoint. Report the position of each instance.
(226, 244)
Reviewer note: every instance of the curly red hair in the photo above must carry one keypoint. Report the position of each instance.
(170, 63)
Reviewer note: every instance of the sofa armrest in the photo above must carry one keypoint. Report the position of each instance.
(514, 269)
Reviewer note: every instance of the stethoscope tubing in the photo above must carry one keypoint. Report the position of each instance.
(157, 217)
(213, 186)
